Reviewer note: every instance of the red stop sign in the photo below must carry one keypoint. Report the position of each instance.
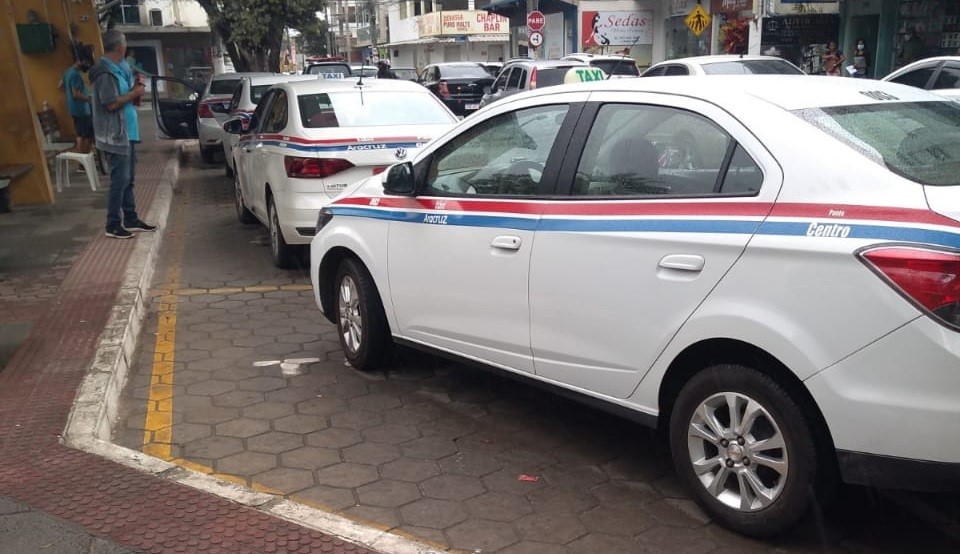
(535, 21)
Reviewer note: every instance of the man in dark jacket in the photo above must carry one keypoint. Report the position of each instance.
(117, 131)
(384, 71)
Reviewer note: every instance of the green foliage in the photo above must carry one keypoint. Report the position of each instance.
(313, 38)
(252, 30)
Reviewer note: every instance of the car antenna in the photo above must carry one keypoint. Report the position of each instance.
(616, 66)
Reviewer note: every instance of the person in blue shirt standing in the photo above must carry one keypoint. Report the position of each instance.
(117, 131)
(78, 98)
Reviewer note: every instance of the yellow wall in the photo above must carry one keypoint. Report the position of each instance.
(31, 79)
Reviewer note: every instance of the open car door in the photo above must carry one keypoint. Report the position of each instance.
(175, 105)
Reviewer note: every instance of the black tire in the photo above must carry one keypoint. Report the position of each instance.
(366, 347)
(243, 214)
(208, 155)
(227, 170)
(284, 255)
(798, 487)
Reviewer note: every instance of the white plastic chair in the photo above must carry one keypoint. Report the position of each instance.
(63, 168)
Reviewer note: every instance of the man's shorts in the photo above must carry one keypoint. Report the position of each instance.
(84, 125)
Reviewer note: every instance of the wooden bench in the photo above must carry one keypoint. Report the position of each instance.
(8, 173)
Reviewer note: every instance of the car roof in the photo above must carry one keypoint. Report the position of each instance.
(270, 79)
(458, 64)
(719, 58)
(786, 91)
(241, 74)
(315, 86)
(550, 63)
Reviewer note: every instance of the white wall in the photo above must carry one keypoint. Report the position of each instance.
(186, 13)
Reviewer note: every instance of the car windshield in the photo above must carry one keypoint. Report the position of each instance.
(752, 67)
(223, 86)
(368, 109)
(463, 72)
(617, 67)
(551, 76)
(918, 140)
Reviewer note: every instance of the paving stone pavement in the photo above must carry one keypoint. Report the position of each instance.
(448, 454)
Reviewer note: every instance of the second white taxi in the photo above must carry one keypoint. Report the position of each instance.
(308, 140)
(766, 267)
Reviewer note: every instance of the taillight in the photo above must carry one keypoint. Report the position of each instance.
(379, 169)
(314, 168)
(204, 111)
(533, 79)
(444, 90)
(930, 278)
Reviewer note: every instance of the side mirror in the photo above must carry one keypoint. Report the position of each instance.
(234, 126)
(400, 180)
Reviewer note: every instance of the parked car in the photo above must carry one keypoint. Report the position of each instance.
(244, 101)
(783, 319)
(329, 70)
(493, 68)
(212, 112)
(365, 70)
(307, 140)
(406, 73)
(528, 75)
(459, 84)
(940, 75)
(723, 64)
(617, 67)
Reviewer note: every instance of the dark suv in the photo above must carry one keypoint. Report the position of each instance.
(459, 84)
(528, 75)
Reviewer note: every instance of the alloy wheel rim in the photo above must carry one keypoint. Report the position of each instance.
(738, 451)
(351, 322)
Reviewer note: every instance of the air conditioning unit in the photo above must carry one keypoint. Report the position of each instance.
(156, 18)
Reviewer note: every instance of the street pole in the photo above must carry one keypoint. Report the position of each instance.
(532, 6)
(373, 30)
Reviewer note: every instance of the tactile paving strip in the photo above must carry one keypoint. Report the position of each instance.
(37, 389)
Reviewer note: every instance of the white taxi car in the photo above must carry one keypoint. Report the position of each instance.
(307, 140)
(246, 97)
(783, 298)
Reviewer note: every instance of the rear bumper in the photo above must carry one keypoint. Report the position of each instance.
(888, 472)
(209, 131)
(459, 105)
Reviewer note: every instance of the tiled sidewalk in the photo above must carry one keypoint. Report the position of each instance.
(65, 301)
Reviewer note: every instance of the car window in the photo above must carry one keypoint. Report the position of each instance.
(752, 67)
(617, 67)
(504, 155)
(640, 150)
(258, 119)
(655, 71)
(917, 78)
(675, 70)
(276, 118)
(551, 76)
(330, 71)
(351, 109)
(515, 76)
(917, 140)
(464, 72)
(743, 175)
(257, 92)
(501, 81)
(223, 86)
(949, 76)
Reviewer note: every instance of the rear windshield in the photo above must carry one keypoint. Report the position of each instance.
(549, 77)
(330, 71)
(408, 74)
(752, 67)
(353, 109)
(463, 72)
(223, 86)
(918, 140)
(617, 67)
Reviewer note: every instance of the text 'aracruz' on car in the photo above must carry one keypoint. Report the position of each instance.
(307, 140)
(766, 267)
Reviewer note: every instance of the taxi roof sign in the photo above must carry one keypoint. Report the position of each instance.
(583, 75)
(697, 20)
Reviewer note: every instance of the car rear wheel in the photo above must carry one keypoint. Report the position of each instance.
(361, 322)
(243, 214)
(284, 255)
(743, 445)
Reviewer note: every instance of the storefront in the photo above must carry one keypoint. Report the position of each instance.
(927, 28)
(802, 39)
(559, 32)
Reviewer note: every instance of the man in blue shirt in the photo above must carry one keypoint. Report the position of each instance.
(78, 100)
(117, 131)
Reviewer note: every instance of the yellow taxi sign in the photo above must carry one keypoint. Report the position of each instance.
(584, 75)
(697, 20)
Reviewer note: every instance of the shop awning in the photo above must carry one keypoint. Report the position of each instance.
(488, 38)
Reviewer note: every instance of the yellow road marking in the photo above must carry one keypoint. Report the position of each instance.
(232, 290)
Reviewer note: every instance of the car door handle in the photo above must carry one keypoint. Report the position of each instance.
(506, 242)
(683, 262)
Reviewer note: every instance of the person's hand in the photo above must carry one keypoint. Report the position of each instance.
(138, 90)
